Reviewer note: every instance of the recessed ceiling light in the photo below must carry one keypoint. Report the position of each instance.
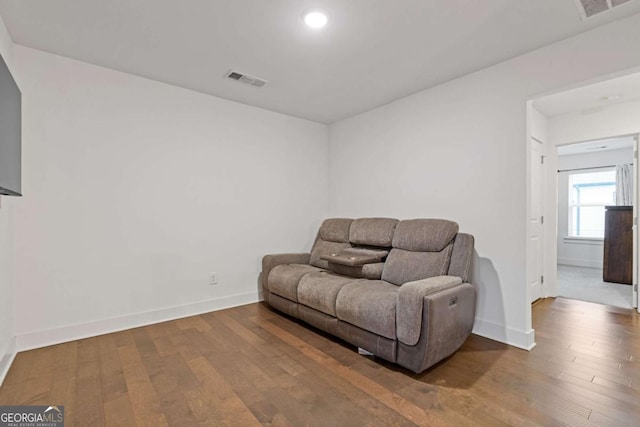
(315, 18)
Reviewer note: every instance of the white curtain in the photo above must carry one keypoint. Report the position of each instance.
(624, 185)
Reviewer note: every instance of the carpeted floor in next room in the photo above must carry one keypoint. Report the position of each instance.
(586, 284)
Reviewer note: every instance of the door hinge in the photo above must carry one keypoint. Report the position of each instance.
(635, 154)
(542, 280)
(542, 220)
(542, 160)
(635, 287)
(635, 220)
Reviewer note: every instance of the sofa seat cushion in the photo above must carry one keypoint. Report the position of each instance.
(283, 279)
(320, 291)
(370, 305)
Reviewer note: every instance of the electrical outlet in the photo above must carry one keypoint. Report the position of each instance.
(213, 278)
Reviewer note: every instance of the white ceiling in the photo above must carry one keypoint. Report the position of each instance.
(371, 52)
(596, 146)
(589, 98)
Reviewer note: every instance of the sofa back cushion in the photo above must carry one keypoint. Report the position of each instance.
(335, 230)
(422, 248)
(461, 257)
(424, 235)
(406, 266)
(372, 231)
(333, 237)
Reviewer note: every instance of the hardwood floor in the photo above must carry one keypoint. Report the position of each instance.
(249, 366)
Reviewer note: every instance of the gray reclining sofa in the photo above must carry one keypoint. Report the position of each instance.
(398, 289)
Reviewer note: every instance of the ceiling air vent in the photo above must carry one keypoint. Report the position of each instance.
(245, 78)
(589, 8)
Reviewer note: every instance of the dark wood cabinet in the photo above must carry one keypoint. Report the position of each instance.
(618, 244)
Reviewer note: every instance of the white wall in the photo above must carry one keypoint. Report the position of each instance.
(458, 151)
(582, 253)
(6, 252)
(136, 190)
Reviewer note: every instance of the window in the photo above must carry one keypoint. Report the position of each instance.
(589, 193)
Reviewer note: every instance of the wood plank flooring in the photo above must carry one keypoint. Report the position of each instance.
(251, 366)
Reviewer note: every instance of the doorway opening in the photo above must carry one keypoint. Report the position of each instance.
(586, 137)
(595, 221)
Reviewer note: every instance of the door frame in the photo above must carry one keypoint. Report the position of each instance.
(635, 301)
(540, 163)
(537, 131)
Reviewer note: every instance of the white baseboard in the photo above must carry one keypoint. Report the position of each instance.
(6, 358)
(580, 263)
(44, 338)
(497, 332)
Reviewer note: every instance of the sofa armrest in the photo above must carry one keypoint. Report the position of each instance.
(410, 303)
(270, 261)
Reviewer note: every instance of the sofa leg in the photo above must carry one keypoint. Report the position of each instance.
(364, 352)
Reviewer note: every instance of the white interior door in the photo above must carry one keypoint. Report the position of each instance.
(534, 240)
(636, 187)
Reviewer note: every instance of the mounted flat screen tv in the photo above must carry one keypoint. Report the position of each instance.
(10, 133)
